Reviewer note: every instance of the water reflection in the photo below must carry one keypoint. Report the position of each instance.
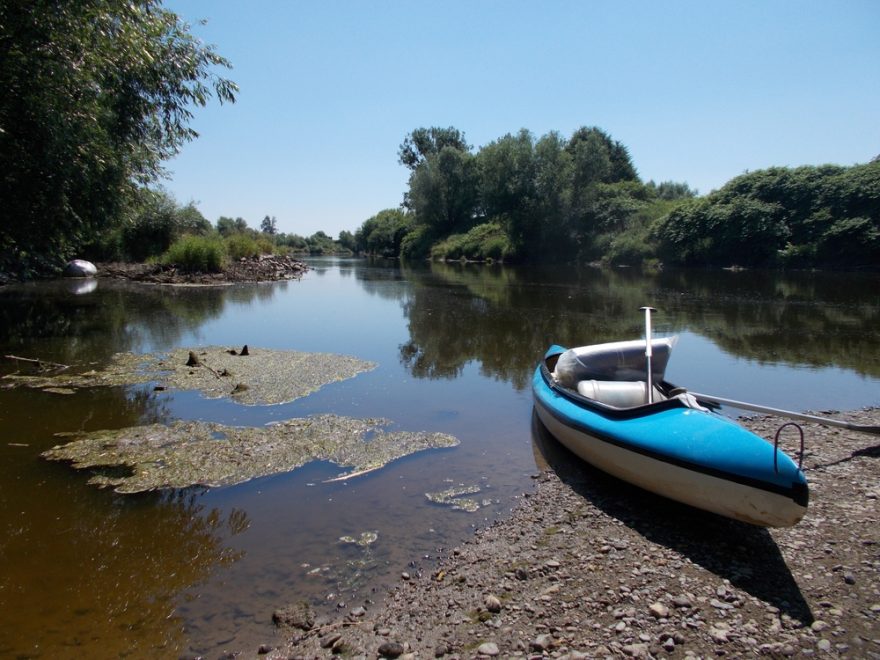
(86, 573)
(500, 316)
(114, 317)
(109, 569)
(799, 319)
(80, 287)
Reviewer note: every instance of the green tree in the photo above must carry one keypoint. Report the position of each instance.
(383, 234)
(347, 240)
(551, 228)
(423, 142)
(443, 191)
(320, 243)
(191, 221)
(513, 174)
(594, 159)
(227, 226)
(269, 225)
(544, 194)
(96, 95)
(293, 241)
(598, 158)
(805, 216)
(671, 190)
(507, 174)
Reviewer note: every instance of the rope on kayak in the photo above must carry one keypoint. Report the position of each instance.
(776, 445)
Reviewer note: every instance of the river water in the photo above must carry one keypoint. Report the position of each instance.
(90, 573)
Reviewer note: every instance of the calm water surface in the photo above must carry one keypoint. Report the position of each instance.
(84, 572)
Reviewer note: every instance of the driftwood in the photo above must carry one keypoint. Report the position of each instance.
(37, 362)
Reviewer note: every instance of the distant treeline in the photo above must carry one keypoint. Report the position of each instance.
(827, 216)
(97, 95)
(580, 198)
(159, 229)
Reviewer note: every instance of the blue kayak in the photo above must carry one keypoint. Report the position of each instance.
(674, 446)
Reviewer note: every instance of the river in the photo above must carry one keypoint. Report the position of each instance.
(87, 572)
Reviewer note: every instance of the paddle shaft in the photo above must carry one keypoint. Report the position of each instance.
(649, 385)
(825, 421)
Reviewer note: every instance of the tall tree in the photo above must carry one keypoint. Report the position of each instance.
(347, 240)
(96, 95)
(600, 159)
(443, 191)
(227, 226)
(508, 170)
(507, 175)
(383, 233)
(423, 142)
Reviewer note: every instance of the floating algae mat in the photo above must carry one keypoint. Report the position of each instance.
(453, 497)
(252, 377)
(156, 456)
(365, 539)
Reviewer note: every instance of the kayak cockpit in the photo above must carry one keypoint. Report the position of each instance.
(614, 375)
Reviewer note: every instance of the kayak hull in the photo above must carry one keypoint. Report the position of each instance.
(690, 455)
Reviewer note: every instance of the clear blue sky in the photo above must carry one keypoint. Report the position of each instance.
(699, 91)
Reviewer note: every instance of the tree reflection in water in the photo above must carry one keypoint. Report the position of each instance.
(116, 565)
(504, 318)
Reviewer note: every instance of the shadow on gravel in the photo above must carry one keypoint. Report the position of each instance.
(867, 452)
(744, 554)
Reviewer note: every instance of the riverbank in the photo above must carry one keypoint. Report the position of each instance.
(587, 566)
(265, 268)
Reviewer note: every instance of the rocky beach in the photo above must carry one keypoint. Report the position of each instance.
(586, 566)
(265, 268)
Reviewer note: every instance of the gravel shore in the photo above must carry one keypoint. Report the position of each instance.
(265, 268)
(589, 567)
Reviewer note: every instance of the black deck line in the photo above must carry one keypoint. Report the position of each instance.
(799, 493)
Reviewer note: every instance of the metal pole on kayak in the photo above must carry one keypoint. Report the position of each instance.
(825, 421)
(649, 385)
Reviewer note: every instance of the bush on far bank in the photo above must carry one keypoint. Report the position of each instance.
(482, 243)
(241, 246)
(201, 254)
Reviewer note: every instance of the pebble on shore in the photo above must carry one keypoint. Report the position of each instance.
(587, 566)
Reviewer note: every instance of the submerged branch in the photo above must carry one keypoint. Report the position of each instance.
(38, 362)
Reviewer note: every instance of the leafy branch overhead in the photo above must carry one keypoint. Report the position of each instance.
(97, 94)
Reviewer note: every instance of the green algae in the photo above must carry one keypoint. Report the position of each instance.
(365, 539)
(452, 497)
(190, 453)
(262, 377)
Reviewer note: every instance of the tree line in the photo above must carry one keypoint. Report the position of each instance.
(160, 229)
(580, 199)
(98, 94)
(517, 198)
(826, 216)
